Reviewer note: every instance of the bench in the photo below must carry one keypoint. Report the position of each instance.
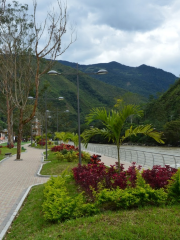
(8, 154)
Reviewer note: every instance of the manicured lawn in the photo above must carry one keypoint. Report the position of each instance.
(22, 143)
(56, 167)
(6, 150)
(157, 223)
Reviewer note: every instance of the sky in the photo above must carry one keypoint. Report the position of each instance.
(131, 32)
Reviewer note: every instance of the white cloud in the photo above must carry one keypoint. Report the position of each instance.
(132, 32)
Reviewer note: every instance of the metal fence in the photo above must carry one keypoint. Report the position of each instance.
(144, 158)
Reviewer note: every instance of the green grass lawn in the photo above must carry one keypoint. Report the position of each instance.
(15, 144)
(149, 223)
(4, 150)
(55, 167)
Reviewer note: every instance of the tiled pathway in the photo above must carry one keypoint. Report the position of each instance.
(15, 178)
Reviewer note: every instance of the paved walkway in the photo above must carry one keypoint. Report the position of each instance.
(15, 178)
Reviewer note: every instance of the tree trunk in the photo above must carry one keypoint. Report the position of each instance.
(118, 150)
(20, 128)
(9, 122)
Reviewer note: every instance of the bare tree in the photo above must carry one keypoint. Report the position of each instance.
(22, 53)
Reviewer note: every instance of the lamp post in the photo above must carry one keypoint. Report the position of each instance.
(100, 72)
(46, 112)
(31, 134)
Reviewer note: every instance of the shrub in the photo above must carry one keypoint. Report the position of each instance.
(95, 159)
(174, 187)
(42, 143)
(63, 146)
(130, 197)
(59, 206)
(86, 157)
(71, 156)
(89, 176)
(10, 145)
(158, 176)
(0, 151)
(60, 157)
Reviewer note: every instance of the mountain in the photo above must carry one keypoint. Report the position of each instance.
(92, 92)
(144, 80)
(167, 107)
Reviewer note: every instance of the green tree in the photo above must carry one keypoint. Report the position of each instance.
(113, 122)
(74, 138)
(172, 132)
(23, 52)
(62, 136)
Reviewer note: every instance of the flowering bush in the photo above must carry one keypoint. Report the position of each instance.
(158, 176)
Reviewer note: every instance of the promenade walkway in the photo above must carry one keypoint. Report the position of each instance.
(16, 178)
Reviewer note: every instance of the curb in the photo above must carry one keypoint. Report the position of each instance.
(44, 162)
(5, 229)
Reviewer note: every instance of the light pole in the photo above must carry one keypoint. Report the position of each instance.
(31, 134)
(46, 112)
(100, 72)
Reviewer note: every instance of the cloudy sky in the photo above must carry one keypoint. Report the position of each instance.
(131, 32)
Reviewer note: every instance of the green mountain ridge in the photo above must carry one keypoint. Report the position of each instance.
(143, 80)
(167, 107)
(92, 92)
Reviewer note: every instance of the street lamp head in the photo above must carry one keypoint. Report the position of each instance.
(31, 97)
(66, 111)
(53, 72)
(60, 98)
(47, 111)
(102, 71)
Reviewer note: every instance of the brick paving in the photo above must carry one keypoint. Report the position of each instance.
(15, 178)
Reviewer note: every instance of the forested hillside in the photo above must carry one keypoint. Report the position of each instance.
(144, 80)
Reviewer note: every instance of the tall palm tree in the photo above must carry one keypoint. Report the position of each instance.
(113, 122)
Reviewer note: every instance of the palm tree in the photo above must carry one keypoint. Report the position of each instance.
(113, 123)
(73, 137)
(62, 136)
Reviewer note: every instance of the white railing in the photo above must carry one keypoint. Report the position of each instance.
(144, 158)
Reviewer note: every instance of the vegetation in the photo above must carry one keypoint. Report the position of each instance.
(143, 80)
(4, 149)
(22, 56)
(113, 123)
(140, 222)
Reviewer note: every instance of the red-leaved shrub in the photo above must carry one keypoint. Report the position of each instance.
(10, 145)
(88, 176)
(158, 176)
(63, 146)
